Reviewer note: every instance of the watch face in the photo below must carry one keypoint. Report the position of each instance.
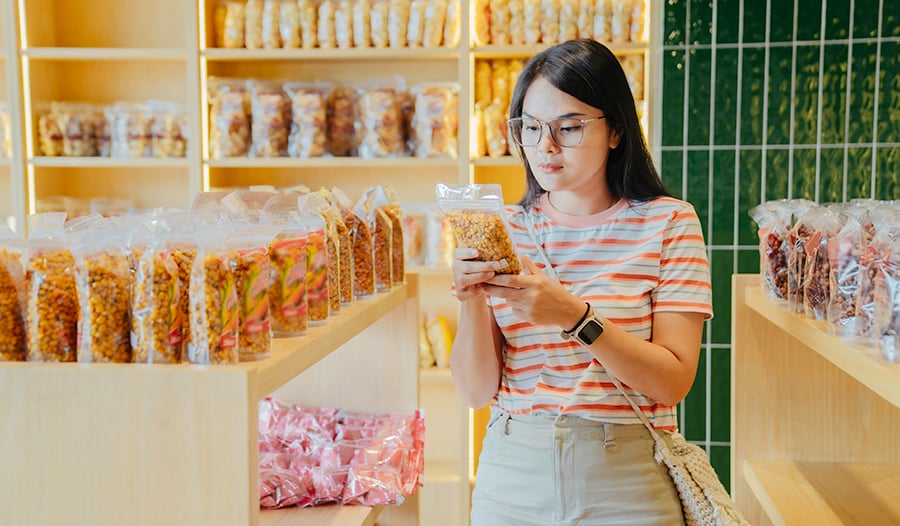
(591, 331)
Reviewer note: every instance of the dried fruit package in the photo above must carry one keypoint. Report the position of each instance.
(475, 213)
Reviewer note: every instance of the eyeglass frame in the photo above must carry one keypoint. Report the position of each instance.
(518, 142)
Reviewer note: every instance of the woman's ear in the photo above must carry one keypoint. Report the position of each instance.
(615, 137)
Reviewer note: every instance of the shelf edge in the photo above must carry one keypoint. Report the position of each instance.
(865, 365)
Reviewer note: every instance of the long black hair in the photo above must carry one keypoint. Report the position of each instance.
(588, 71)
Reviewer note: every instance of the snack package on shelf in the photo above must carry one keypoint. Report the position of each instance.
(51, 301)
(50, 134)
(634, 71)
(79, 128)
(130, 131)
(638, 27)
(341, 124)
(157, 317)
(398, 23)
(309, 28)
(816, 286)
(345, 246)
(326, 35)
(568, 20)
(844, 277)
(378, 203)
(452, 24)
(549, 17)
(774, 221)
(481, 22)
(229, 118)
(416, 26)
(603, 20)
(289, 24)
(381, 11)
(501, 89)
(414, 232)
(886, 291)
(270, 123)
(620, 22)
(389, 202)
(309, 118)
(380, 120)
(232, 24)
(288, 257)
(435, 19)
(796, 276)
(531, 10)
(103, 277)
(440, 338)
(495, 130)
(253, 24)
(343, 23)
(475, 213)
(12, 296)
(317, 279)
(318, 203)
(362, 255)
(271, 24)
(252, 279)
(168, 129)
(361, 23)
(435, 120)
(499, 28)
(585, 18)
(215, 307)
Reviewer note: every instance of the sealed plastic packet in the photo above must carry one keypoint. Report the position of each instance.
(51, 294)
(360, 235)
(157, 322)
(270, 126)
(380, 225)
(252, 278)
(435, 119)
(215, 310)
(104, 280)
(345, 248)
(317, 280)
(887, 295)
(317, 203)
(12, 297)
(287, 291)
(309, 118)
(229, 118)
(475, 213)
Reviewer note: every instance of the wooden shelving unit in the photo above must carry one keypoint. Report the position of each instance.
(815, 420)
(112, 442)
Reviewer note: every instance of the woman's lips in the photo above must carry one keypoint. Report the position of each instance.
(549, 168)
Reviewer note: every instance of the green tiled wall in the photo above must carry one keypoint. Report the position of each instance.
(759, 103)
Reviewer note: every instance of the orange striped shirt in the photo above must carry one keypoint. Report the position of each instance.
(628, 262)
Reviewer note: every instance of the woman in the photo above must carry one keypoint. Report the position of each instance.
(616, 282)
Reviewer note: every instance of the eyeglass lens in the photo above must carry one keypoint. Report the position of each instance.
(564, 132)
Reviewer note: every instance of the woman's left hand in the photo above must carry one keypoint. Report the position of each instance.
(535, 297)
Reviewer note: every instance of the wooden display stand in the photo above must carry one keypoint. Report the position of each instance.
(148, 445)
(815, 422)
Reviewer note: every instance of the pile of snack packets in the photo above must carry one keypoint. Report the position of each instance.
(837, 262)
(209, 285)
(317, 455)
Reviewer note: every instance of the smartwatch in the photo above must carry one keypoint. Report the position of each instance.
(587, 331)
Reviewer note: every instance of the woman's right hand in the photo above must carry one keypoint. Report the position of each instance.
(469, 275)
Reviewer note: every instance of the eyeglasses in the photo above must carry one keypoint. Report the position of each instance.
(566, 132)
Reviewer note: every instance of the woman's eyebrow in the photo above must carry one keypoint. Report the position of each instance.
(564, 116)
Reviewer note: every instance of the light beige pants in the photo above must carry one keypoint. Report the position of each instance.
(568, 471)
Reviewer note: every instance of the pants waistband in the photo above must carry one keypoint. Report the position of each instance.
(573, 426)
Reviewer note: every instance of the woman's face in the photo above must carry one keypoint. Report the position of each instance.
(580, 169)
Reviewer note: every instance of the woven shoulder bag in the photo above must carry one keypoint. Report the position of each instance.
(704, 500)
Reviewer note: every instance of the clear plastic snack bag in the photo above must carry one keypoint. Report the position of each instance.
(215, 308)
(475, 213)
(288, 257)
(12, 297)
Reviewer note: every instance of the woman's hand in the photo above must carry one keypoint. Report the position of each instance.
(535, 297)
(468, 275)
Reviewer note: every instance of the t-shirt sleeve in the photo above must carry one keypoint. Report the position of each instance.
(684, 283)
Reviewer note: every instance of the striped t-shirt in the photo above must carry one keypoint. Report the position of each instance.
(628, 262)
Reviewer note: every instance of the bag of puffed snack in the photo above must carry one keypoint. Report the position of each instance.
(215, 308)
(51, 320)
(287, 254)
(362, 256)
(475, 213)
(317, 203)
(317, 273)
(12, 297)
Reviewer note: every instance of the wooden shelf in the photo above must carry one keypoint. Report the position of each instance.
(331, 55)
(435, 375)
(442, 472)
(823, 493)
(108, 162)
(102, 53)
(424, 270)
(867, 365)
(292, 356)
(527, 50)
(321, 516)
(330, 162)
